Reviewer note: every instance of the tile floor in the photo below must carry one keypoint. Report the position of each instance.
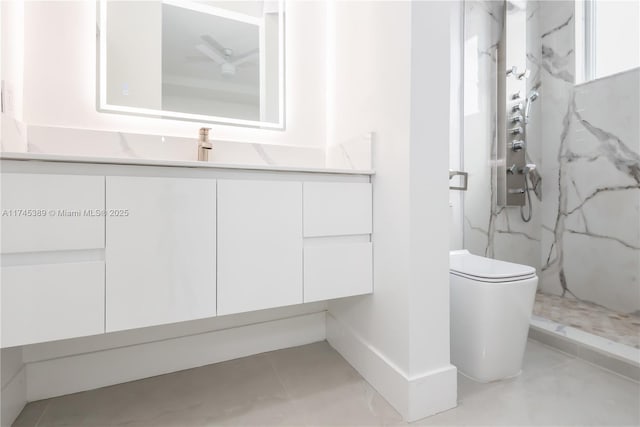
(589, 317)
(313, 385)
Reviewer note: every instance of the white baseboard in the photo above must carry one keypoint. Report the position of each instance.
(374, 367)
(13, 397)
(433, 392)
(416, 397)
(74, 373)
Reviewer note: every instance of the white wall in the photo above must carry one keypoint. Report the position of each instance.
(11, 73)
(379, 100)
(60, 77)
(435, 39)
(12, 57)
(398, 338)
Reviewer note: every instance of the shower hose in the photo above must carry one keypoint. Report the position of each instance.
(527, 191)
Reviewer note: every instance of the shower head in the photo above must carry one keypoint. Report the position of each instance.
(533, 95)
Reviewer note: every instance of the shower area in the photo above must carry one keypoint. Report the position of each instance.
(551, 145)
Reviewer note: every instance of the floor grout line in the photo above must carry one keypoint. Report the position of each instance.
(278, 377)
(42, 414)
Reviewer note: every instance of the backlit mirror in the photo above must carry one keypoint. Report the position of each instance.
(211, 61)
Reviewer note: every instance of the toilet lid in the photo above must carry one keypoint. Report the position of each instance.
(486, 269)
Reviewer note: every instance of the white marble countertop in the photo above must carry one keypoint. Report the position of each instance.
(170, 163)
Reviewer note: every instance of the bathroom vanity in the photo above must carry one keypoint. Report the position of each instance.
(91, 246)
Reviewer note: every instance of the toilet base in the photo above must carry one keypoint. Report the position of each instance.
(489, 326)
(487, 382)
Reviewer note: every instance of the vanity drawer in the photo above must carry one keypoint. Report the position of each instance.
(337, 209)
(337, 270)
(49, 212)
(51, 302)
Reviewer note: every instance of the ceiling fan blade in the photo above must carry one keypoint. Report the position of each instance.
(213, 43)
(211, 53)
(245, 57)
(197, 59)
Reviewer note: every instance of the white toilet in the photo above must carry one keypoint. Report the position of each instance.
(491, 305)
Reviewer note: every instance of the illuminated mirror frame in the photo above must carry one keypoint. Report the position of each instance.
(103, 106)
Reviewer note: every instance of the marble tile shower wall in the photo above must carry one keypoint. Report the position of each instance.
(591, 174)
(584, 238)
(482, 27)
(491, 230)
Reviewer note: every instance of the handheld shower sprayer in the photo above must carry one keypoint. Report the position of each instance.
(533, 95)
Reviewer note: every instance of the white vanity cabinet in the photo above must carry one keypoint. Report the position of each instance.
(161, 250)
(259, 245)
(52, 278)
(117, 246)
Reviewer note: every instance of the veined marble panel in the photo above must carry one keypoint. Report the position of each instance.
(91, 143)
(117, 144)
(490, 230)
(354, 153)
(603, 194)
(557, 64)
(591, 174)
(482, 30)
(13, 135)
(585, 233)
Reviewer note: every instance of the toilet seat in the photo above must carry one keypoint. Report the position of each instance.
(465, 264)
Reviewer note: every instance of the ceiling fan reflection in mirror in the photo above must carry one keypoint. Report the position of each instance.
(225, 57)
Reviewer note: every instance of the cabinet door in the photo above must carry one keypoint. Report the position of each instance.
(51, 212)
(259, 245)
(160, 251)
(51, 302)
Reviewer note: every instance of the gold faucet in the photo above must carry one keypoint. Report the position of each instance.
(204, 146)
